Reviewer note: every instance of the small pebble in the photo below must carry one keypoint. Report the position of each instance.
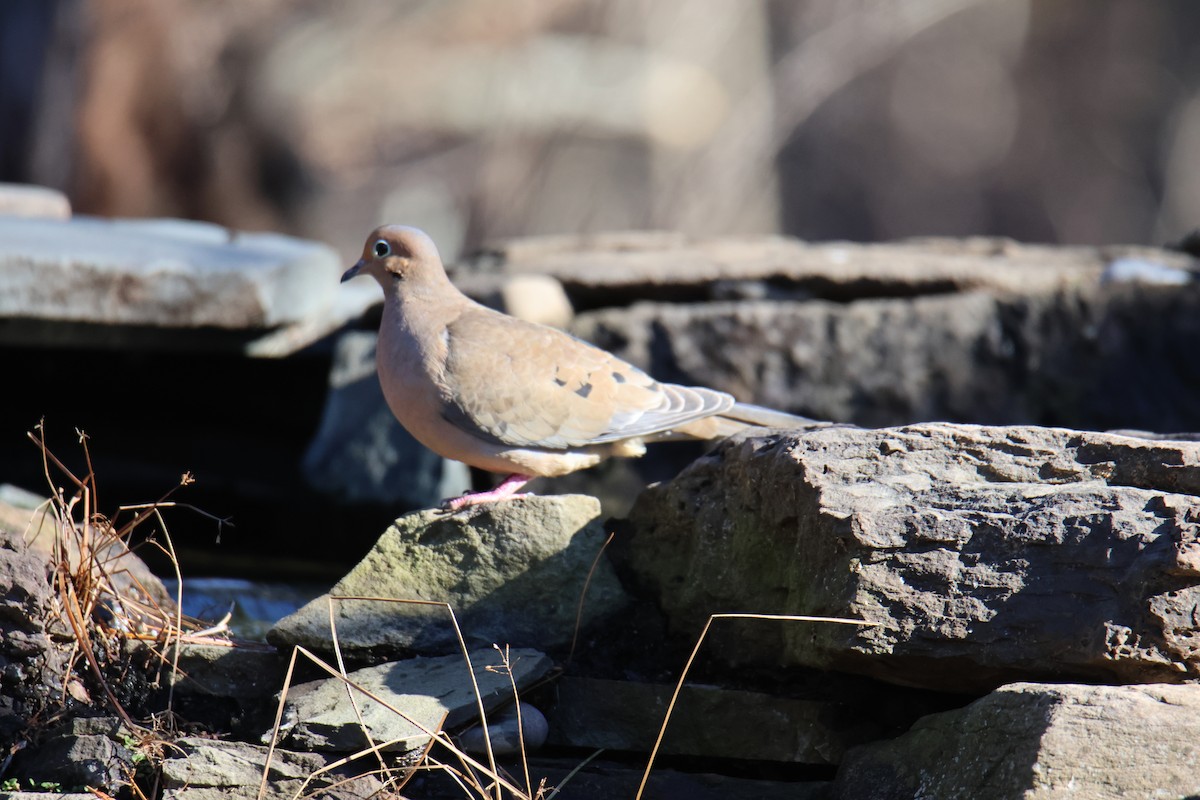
(503, 731)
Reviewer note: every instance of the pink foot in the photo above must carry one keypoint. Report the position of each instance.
(507, 490)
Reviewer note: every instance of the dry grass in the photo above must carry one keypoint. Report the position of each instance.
(105, 604)
(473, 777)
(476, 780)
(103, 600)
(692, 658)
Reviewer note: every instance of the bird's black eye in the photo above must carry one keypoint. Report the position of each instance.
(382, 249)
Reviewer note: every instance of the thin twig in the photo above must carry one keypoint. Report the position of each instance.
(440, 736)
(337, 654)
(583, 595)
(287, 682)
(462, 643)
(687, 666)
(573, 772)
(520, 722)
(85, 647)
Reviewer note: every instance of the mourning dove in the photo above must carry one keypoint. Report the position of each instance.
(515, 397)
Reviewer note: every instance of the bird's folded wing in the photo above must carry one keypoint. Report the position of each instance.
(513, 383)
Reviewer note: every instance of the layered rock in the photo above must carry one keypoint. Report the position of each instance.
(900, 333)
(35, 666)
(628, 266)
(1029, 740)
(398, 704)
(983, 555)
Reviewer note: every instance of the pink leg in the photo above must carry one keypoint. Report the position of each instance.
(506, 490)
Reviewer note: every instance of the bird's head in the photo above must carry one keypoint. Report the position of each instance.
(397, 252)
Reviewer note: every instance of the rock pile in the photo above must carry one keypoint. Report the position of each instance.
(985, 554)
(1033, 586)
(1033, 592)
(991, 558)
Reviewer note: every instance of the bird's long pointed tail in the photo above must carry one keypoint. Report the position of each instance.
(738, 418)
(761, 417)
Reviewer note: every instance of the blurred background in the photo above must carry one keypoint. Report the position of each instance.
(1057, 121)
(1072, 121)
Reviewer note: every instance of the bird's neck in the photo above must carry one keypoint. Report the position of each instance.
(422, 311)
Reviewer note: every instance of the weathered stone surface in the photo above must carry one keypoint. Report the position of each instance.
(33, 666)
(512, 571)
(23, 200)
(79, 752)
(642, 265)
(1056, 350)
(1040, 741)
(227, 670)
(710, 722)
(985, 555)
(873, 361)
(101, 281)
(223, 686)
(360, 453)
(166, 273)
(435, 692)
(208, 769)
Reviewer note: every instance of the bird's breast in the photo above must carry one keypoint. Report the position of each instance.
(410, 370)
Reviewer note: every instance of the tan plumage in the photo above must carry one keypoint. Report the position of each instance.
(511, 396)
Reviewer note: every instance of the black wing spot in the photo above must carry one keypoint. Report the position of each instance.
(584, 390)
(560, 382)
(619, 377)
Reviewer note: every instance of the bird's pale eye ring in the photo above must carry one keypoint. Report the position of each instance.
(382, 249)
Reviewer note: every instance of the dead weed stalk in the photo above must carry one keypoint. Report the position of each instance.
(696, 649)
(476, 780)
(99, 594)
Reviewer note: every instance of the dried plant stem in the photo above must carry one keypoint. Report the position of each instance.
(76, 620)
(471, 768)
(583, 595)
(696, 649)
(437, 735)
(99, 598)
(341, 664)
(178, 630)
(520, 722)
(462, 643)
(566, 779)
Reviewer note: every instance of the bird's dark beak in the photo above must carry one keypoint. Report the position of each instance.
(350, 273)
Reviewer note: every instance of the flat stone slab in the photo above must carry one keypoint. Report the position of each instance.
(435, 692)
(102, 282)
(246, 671)
(209, 769)
(640, 265)
(1041, 741)
(712, 722)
